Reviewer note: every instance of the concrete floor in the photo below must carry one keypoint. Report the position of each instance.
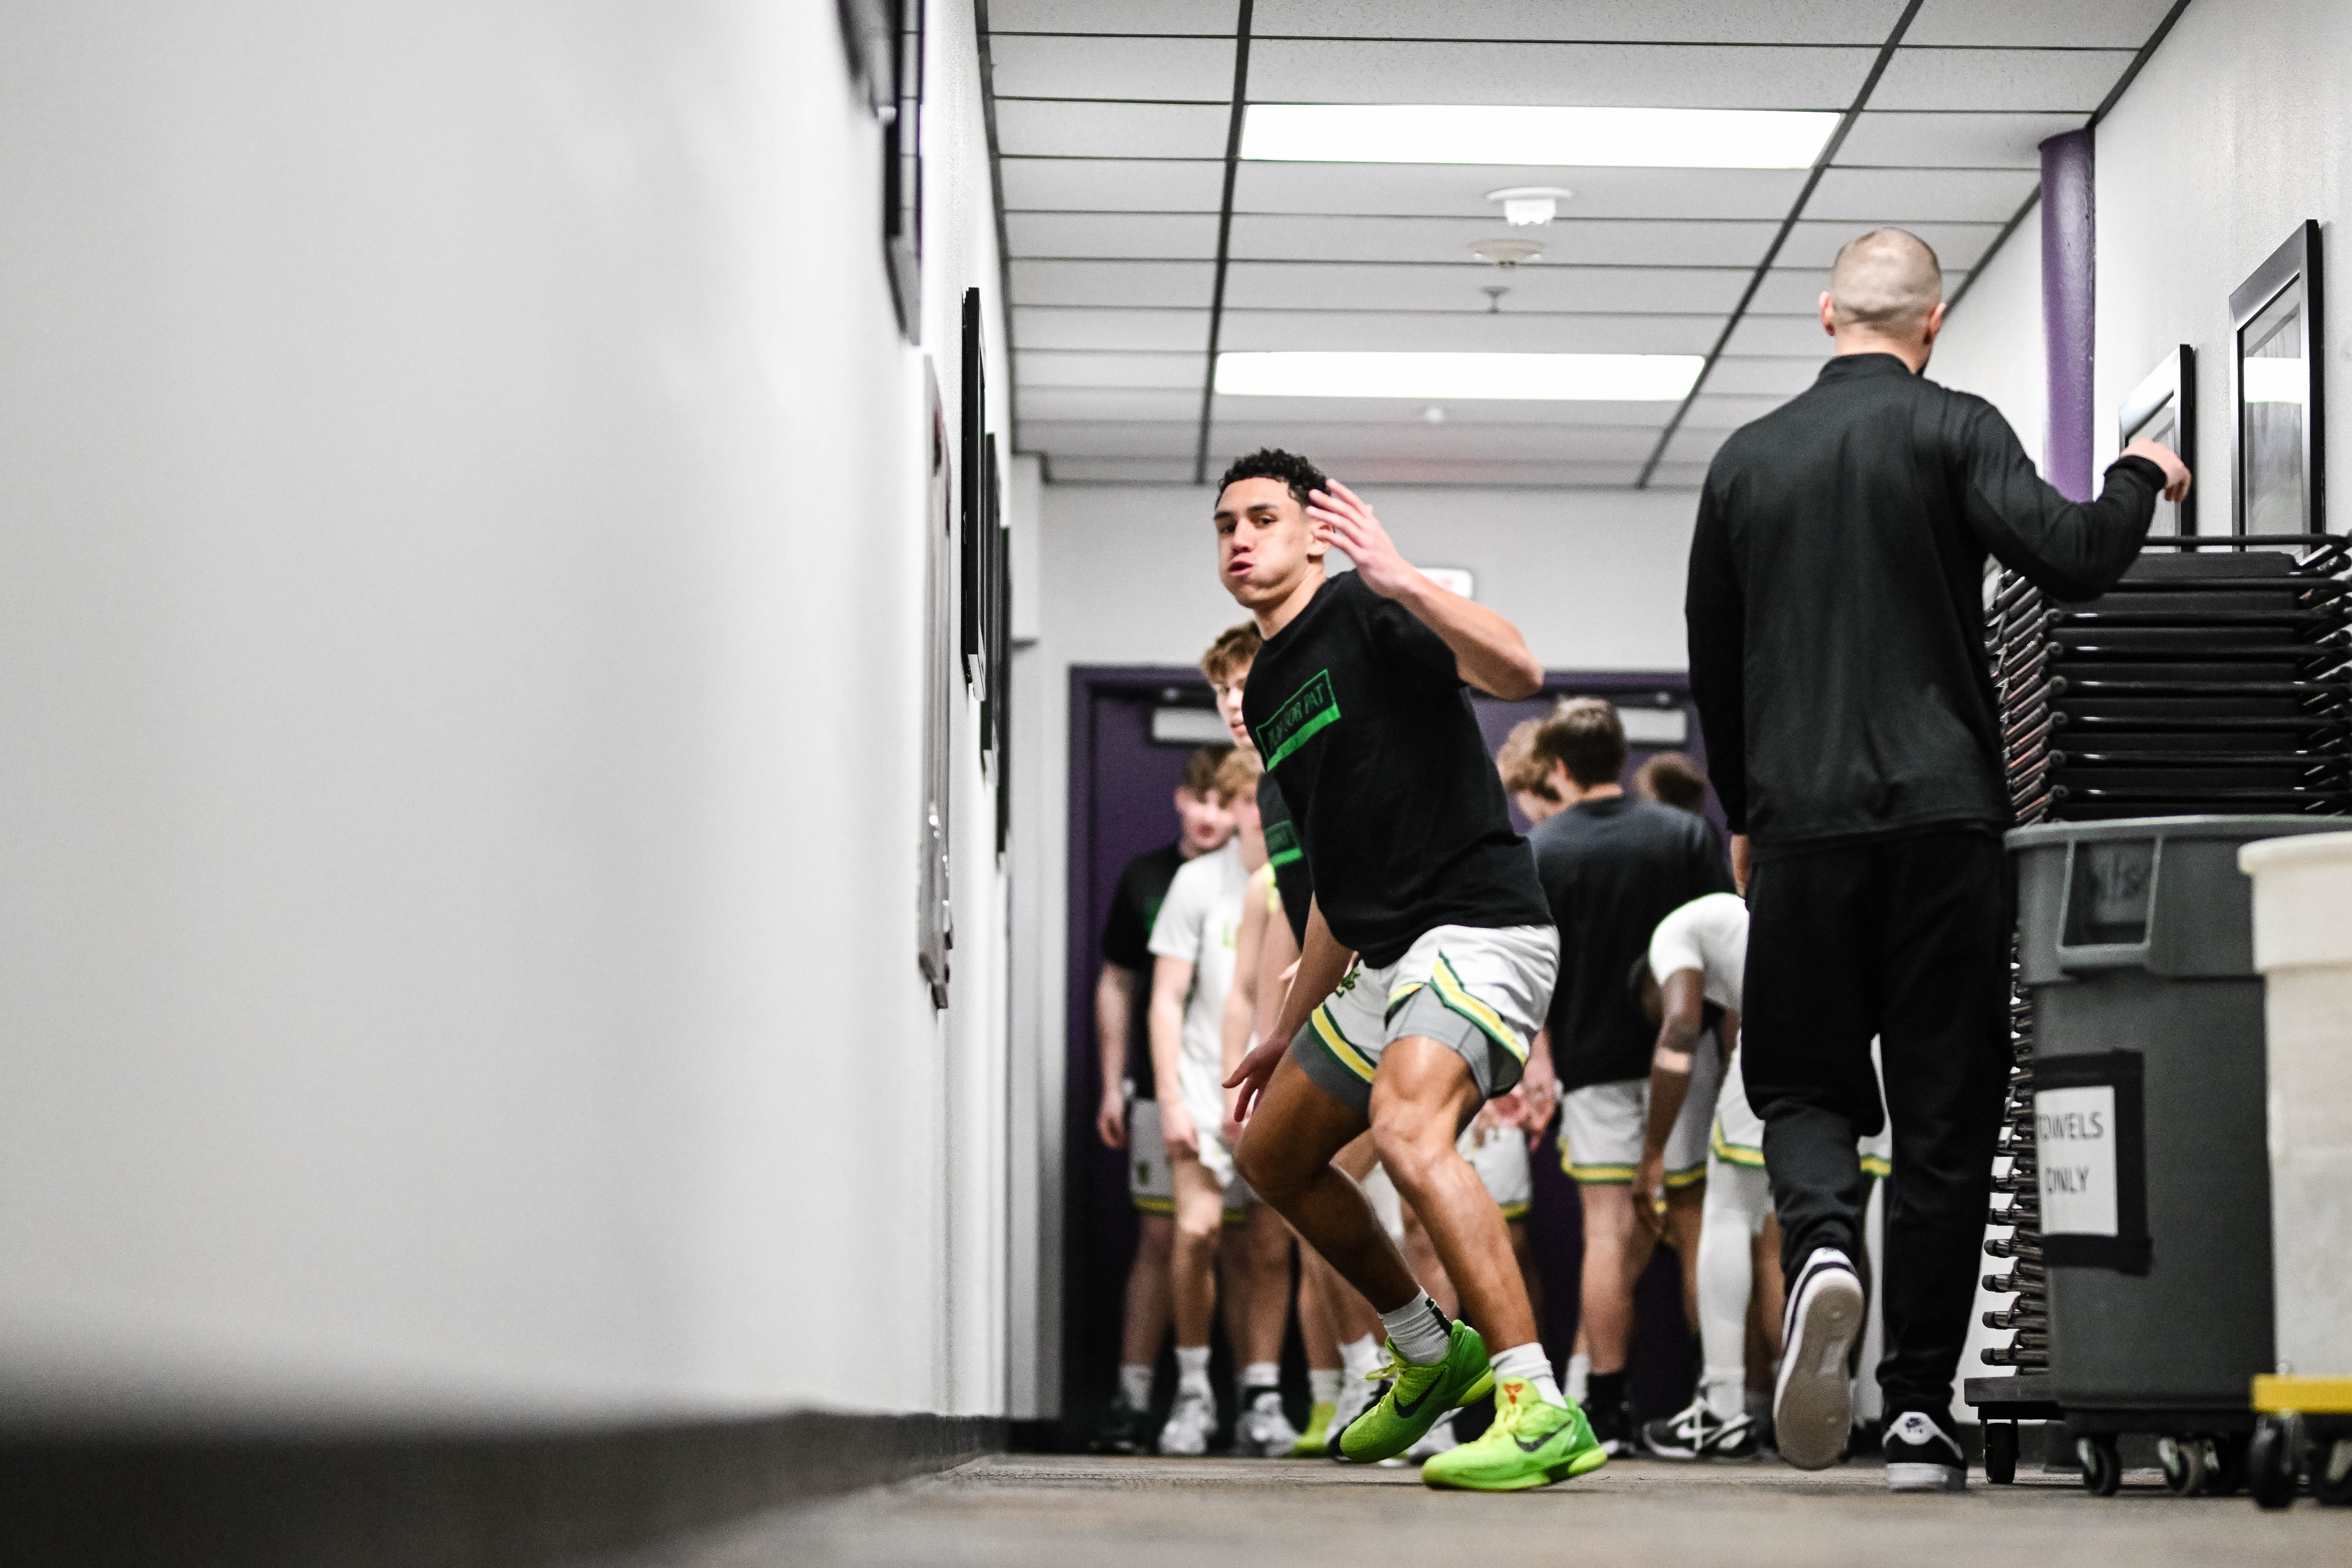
(1024, 1511)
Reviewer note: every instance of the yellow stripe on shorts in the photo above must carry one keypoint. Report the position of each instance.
(1732, 1154)
(1454, 995)
(1328, 1032)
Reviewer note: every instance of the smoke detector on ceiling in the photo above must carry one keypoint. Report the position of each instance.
(1507, 252)
(1526, 205)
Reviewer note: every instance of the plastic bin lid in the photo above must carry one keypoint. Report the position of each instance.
(2307, 848)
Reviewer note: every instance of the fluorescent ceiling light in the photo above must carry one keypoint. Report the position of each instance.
(1630, 378)
(1536, 135)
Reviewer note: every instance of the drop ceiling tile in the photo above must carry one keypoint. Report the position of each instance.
(1091, 327)
(1677, 76)
(1111, 437)
(1412, 439)
(1215, 17)
(1953, 141)
(1678, 477)
(1387, 471)
(1715, 410)
(1474, 333)
(1460, 190)
(1099, 184)
(1798, 290)
(1056, 368)
(1784, 376)
(1781, 335)
(1182, 283)
(1691, 445)
(1119, 470)
(1359, 286)
(1051, 127)
(2031, 81)
(1388, 411)
(1166, 236)
(1051, 403)
(1194, 71)
(2075, 24)
(1958, 246)
(1640, 21)
(1590, 241)
(1919, 195)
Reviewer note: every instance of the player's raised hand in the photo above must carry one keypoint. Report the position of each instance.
(1255, 1071)
(1343, 518)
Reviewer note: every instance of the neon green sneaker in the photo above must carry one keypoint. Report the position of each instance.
(1417, 1396)
(1532, 1443)
(1318, 1431)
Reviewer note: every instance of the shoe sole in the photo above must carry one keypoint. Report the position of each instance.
(1814, 1413)
(1576, 1465)
(1925, 1477)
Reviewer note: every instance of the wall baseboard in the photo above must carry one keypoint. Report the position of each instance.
(455, 1501)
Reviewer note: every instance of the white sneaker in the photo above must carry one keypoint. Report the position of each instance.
(1812, 1409)
(1434, 1441)
(1189, 1421)
(1264, 1431)
(1921, 1457)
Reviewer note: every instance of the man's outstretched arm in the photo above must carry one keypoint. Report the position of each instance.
(1321, 966)
(1488, 651)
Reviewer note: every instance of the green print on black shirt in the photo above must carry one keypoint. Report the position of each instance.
(1310, 708)
(1282, 845)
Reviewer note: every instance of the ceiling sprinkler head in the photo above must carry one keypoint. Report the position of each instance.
(1494, 292)
(1507, 252)
(1525, 204)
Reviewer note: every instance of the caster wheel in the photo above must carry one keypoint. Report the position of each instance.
(2187, 1465)
(2331, 1480)
(2001, 1452)
(2229, 1465)
(2270, 1463)
(2103, 1468)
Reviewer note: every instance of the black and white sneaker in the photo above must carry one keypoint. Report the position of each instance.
(1923, 1454)
(1612, 1428)
(1813, 1408)
(1698, 1432)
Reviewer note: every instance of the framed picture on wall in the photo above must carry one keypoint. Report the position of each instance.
(2163, 409)
(2276, 386)
(935, 910)
(884, 41)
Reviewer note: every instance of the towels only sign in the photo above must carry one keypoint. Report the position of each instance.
(2075, 1133)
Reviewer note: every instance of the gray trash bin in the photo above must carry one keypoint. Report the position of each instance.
(2135, 939)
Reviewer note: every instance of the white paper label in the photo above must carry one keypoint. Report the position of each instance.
(2076, 1131)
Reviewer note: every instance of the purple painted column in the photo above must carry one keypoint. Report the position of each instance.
(2069, 293)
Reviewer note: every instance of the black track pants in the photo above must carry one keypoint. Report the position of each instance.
(1906, 939)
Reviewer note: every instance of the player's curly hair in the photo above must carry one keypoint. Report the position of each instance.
(1273, 463)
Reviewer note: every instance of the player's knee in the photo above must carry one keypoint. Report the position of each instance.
(1410, 1141)
(1157, 1237)
(1273, 1173)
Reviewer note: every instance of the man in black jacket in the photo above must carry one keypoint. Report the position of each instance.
(1837, 656)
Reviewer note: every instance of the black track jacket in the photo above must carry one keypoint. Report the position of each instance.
(1835, 604)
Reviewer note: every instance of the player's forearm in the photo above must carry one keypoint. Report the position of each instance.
(1114, 1002)
(1166, 1023)
(1670, 1079)
(1488, 651)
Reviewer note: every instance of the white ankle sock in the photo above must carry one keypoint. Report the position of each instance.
(1724, 1389)
(1323, 1385)
(1358, 1357)
(1135, 1386)
(1192, 1369)
(1579, 1377)
(1261, 1375)
(1528, 1363)
(1419, 1331)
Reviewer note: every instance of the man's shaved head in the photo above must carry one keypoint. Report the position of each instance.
(1887, 279)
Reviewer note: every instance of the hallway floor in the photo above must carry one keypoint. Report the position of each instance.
(1031, 1511)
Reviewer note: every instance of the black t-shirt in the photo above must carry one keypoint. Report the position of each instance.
(1611, 871)
(1368, 730)
(1127, 941)
(1292, 879)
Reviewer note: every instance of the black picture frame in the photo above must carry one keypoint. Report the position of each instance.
(2265, 454)
(867, 27)
(902, 168)
(2129, 1250)
(973, 425)
(935, 910)
(2163, 408)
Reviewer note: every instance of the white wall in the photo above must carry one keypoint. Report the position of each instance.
(1992, 341)
(2235, 132)
(462, 491)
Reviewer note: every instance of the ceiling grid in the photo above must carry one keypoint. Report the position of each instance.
(1140, 244)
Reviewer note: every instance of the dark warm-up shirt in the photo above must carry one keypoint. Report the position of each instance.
(1368, 730)
(1835, 604)
(1292, 879)
(1127, 941)
(1612, 870)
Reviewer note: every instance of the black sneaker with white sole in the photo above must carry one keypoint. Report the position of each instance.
(1923, 1454)
(1612, 1428)
(1813, 1408)
(1698, 1432)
